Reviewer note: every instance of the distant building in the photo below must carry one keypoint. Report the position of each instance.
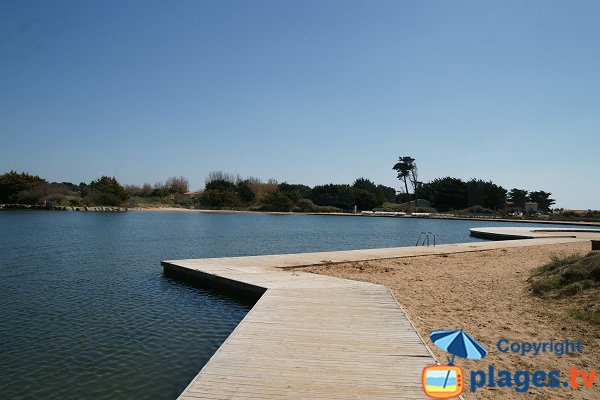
(531, 207)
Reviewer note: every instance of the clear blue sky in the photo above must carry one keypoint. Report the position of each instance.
(306, 91)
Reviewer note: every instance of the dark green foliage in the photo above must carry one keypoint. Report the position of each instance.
(219, 198)
(305, 205)
(518, 197)
(454, 194)
(367, 195)
(406, 167)
(278, 201)
(12, 183)
(223, 193)
(405, 197)
(365, 200)
(107, 191)
(485, 194)
(543, 199)
(364, 184)
(295, 191)
(220, 184)
(244, 192)
(445, 193)
(340, 196)
(385, 193)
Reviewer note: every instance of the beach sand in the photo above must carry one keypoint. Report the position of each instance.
(486, 294)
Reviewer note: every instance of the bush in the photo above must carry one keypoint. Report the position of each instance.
(244, 192)
(365, 200)
(278, 201)
(576, 277)
(218, 198)
(98, 198)
(564, 276)
(107, 191)
(305, 205)
(12, 183)
(223, 186)
(339, 196)
(52, 193)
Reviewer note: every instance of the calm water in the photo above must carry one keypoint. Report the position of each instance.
(87, 312)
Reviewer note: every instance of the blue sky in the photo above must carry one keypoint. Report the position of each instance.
(306, 91)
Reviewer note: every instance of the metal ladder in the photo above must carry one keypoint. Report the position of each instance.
(425, 236)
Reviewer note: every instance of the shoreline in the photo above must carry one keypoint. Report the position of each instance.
(209, 211)
(523, 221)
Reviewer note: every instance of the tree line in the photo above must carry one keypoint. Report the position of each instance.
(227, 191)
(446, 194)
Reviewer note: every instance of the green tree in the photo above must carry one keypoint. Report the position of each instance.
(364, 184)
(295, 191)
(485, 194)
(220, 184)
(365, 200)
(543, 199)
(367, 195)
(405, 167)
(12, 183)
(278, 201)
(518, 197)
(385, 193)
(445, 193)
(218, 198)
(244, 192)
(107, 191)
(340, 196)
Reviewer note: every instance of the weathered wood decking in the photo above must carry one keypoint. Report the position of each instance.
(317, 337)
(312, 336)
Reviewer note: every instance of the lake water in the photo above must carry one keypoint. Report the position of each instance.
(87, 312)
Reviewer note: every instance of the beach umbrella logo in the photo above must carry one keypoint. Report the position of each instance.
(458, 343)
(447, 381)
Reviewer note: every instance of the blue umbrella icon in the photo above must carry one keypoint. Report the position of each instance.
(458, 343)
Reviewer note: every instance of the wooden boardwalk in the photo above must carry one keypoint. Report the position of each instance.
(317, 337)
(312, 336)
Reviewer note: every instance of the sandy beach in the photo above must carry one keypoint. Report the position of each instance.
(486, 293)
